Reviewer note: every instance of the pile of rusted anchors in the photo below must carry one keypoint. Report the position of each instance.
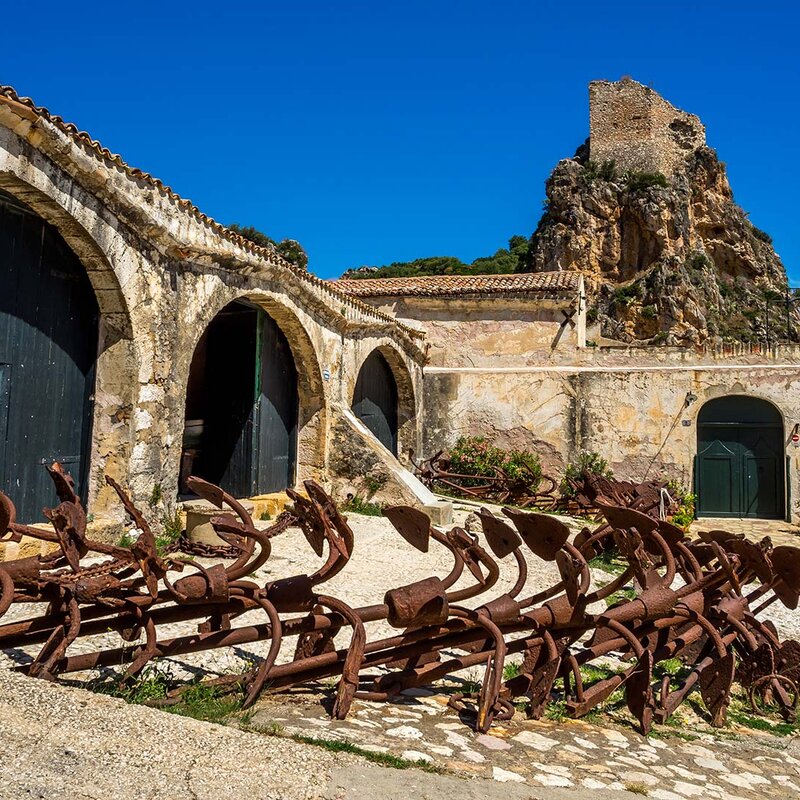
(696, 600)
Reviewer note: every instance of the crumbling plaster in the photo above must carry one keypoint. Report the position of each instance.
(493, 329)
(632, 412)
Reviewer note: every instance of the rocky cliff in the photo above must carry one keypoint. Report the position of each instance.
(670, 258)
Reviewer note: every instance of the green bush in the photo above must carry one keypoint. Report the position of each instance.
(761, 235)
(605, 171)
(684, 516)
(625, 295)
(358, 505)
(588, 463)
(698, 261)
(641, 181)
(473, 455)
(649, 312)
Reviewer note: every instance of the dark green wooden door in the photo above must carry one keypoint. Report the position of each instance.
(740, 459)
(375, 400)
(48, 346)
(228, 399)
(276, 425)
(242, 398)
(5, 393)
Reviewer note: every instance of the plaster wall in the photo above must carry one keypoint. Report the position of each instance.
(635, 416)
(492, 330)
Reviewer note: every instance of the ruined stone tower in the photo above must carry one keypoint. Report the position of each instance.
(632, 125)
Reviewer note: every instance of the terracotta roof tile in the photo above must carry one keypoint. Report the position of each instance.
(542, 283)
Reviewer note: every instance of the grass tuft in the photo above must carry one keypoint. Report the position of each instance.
(384, 759)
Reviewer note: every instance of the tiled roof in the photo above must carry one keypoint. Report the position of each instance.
(26, 108)
(541, 283)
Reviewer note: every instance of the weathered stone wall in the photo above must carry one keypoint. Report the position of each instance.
(493, 330)
(632, 125)
(621, 404)
(161, 272)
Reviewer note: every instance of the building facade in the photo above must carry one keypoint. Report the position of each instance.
(508, 360)
(140, 339)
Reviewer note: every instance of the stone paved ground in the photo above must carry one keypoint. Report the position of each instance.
(779, 531)
(674, 764)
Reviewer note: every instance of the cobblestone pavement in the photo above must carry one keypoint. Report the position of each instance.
(675, 764)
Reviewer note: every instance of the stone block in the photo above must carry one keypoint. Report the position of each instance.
(273, 504)
(441, 513)
(198, 520)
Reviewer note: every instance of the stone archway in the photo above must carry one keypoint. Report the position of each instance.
(383, 398)
(740, 469)
(65, 342)
(280, 404)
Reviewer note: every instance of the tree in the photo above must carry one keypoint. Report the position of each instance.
(290, 249)
(513, 259)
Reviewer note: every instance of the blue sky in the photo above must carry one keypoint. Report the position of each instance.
(375, 132)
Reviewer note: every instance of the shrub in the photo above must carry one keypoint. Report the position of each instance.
(649, 312)
(762, 236)
(588, 463)
(605, 171)
(698, 261)
(358, 505)
(684, 516)
(641, 181)
(473, 455)
(625, 295)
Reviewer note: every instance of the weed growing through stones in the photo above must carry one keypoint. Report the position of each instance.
(198, 700)
(384, 759)
(357, 505)
(608, 561)
(126, 540)
(627, 593)
(510, 670)
(173, 527)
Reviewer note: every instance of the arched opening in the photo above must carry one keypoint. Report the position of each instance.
(741, 457)
(48, 348)
(375, 399)
(241, 405)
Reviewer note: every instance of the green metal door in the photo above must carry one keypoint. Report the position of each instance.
(276, 418)
(243, 399)
(740, 459)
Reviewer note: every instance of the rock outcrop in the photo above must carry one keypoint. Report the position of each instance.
(669, 258)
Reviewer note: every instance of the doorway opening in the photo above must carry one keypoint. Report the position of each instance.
(741, 459)
(375, 400)
(49, 322)
(241, 405)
